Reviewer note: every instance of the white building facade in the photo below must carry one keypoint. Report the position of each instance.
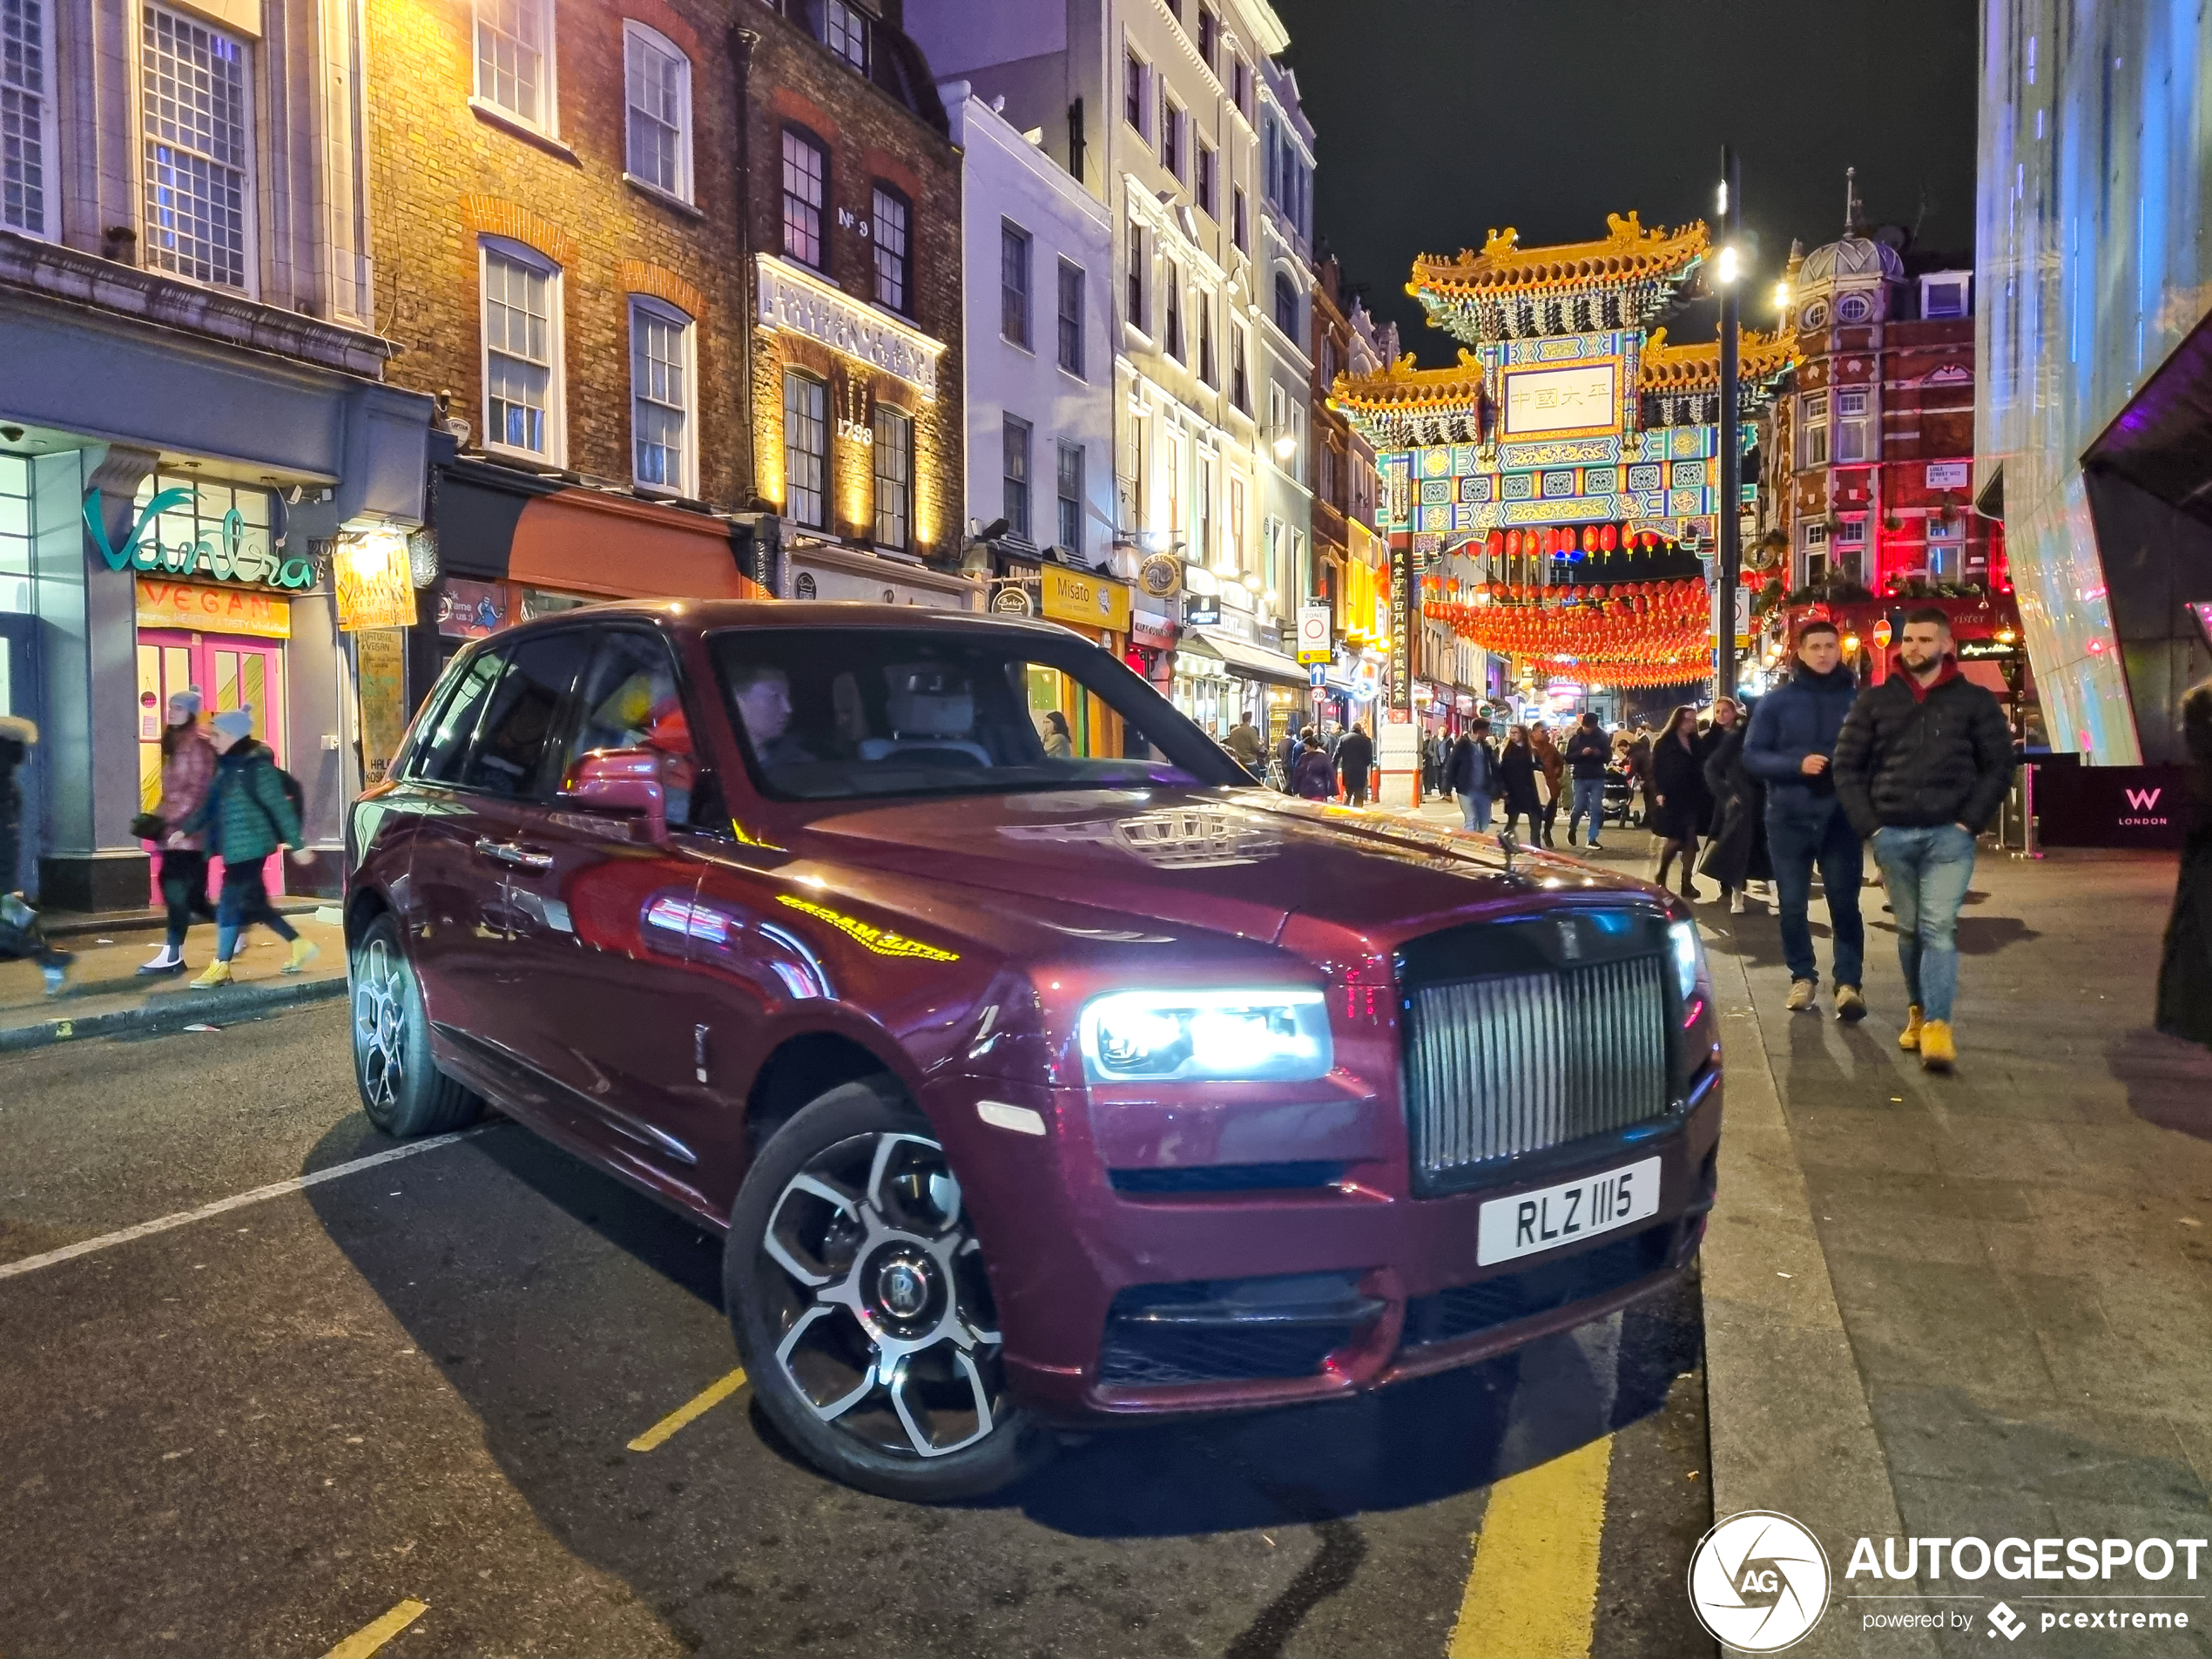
(1038, 254)
(1155, 106)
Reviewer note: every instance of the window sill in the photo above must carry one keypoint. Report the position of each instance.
(661, 492)
(667, 199)
(529, 458)
(492, 115)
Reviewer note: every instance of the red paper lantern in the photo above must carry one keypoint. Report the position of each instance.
(1607, 538)
(1512, 544)
(1495, 543)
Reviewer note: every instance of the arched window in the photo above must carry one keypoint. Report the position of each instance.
(658, 81)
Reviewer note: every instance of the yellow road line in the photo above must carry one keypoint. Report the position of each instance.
(705, 1400)
(367, 1640)
(1532, 1593)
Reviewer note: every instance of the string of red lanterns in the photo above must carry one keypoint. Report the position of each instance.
(1572, 542)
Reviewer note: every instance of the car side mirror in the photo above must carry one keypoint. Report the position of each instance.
(627, 781)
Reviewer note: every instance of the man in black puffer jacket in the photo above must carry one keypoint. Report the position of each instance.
(1921, 766)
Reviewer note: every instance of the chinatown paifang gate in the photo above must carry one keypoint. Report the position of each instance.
(1572, 448)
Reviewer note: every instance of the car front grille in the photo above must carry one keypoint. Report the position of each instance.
(1504, 1065)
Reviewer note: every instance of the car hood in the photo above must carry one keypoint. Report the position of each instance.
(1242, 861)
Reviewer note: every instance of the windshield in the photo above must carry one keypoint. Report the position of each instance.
(845, 713)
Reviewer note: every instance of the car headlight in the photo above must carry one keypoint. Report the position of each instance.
(1267, 1035)
(1688, 953)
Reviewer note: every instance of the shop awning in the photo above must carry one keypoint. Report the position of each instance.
(1250, 662)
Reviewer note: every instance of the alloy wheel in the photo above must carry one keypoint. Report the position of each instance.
(380, 1025)
(887, 1329)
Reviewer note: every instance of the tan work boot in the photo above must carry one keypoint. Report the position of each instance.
(1938, 1051)
(1802, 991)
(1909, 1039)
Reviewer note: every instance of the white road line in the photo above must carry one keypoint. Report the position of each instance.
(224, 1206)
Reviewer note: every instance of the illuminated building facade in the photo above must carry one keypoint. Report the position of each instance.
(195, 407)
(2094, 356)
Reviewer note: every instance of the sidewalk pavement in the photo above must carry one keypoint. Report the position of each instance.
(1978, 1305)
(1999, 1317)
(105, 996)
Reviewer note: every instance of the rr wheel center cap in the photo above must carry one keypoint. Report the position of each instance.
(902, 1287)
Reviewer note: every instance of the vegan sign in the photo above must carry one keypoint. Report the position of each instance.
(223, 556)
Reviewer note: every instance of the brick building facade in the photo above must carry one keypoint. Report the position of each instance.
(853, 211)
(1868, 464)
(556, 220)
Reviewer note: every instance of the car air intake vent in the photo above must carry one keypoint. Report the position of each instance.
(1469, 1310)
(1210, 1330)
(1498, 1066)
(1228, 1178)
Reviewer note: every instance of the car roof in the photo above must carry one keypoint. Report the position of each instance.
(704, 616)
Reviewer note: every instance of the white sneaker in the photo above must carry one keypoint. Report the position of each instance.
(1736, 902)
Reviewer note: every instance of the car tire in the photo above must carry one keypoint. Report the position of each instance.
(402, 1089)
(856, 1292)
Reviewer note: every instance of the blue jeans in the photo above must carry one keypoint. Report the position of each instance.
(1796, 841)
(1475, 810)
(1927, 870)
(1589, 797)
(245, 900)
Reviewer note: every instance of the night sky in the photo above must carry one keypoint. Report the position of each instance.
(1440, 119)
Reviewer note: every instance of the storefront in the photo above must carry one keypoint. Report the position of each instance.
(172, 499)
(829, 571)
(506, 546)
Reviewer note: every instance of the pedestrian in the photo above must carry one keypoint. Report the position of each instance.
(1245, 743)
(187, 773)
(1312, 773)
(247, 816)
(1059, 743)
(1588, 752)
(1552, 765)
(20, 933)
(1735, 854)
(1286, 752)
(1680, 802)
(1472, 775)
(1922, 762)
(1356, 764)
(1431, 765)
(1791, 748)
(1639, 766)
(1517, 773)
(2185, 975)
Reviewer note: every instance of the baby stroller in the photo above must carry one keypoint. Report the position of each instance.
(1620, 798)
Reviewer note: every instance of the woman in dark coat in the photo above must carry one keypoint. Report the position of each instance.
(1679, 799)
(2185, 976)
(1517, 771)
(1737, 855)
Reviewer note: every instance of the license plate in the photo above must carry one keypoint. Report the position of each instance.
(1530, 1222)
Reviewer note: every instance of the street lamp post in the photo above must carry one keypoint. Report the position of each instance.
(1731, 456)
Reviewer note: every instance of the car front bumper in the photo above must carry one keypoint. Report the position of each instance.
(1124, 1304)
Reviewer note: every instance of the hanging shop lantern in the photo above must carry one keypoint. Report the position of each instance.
(1607, 538)
(1494, 543)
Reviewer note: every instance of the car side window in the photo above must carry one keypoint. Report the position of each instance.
(632, 699)
(444, 743)
(523, 714)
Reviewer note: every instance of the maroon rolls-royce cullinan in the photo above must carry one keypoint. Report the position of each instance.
(1040, 1073)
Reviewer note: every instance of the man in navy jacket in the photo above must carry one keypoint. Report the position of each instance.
(1791, 747)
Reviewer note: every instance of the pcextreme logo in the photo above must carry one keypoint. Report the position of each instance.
(1758, 1581)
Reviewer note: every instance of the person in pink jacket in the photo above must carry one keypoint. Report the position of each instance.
(187, 773)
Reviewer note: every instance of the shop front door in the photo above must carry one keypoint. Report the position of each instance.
(231, 671)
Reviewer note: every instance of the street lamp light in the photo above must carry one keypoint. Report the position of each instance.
(1728, 267)
(1782, 298)
(1285, 447)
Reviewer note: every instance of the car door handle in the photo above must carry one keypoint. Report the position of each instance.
(508, 853)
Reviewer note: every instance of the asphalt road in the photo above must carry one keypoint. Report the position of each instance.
(417, 1383)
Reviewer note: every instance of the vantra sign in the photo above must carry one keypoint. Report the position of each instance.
(225, 557)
